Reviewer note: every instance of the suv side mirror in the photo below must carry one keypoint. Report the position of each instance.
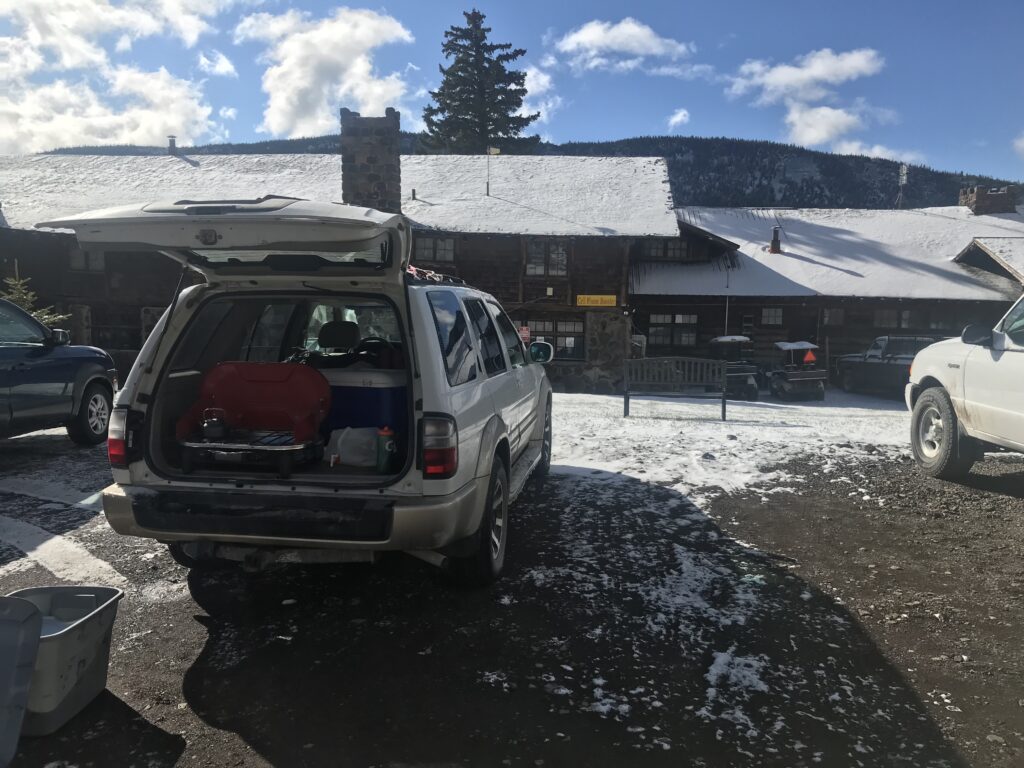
(59, 338)
(978, 335)
(541, 352)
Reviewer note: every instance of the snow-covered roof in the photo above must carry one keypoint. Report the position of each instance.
(735, 275)
(843, 252)
(1007, 251)
(537, 195)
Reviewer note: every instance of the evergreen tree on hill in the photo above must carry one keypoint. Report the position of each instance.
(479, 102)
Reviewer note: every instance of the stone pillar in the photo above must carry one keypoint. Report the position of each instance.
(371, 174)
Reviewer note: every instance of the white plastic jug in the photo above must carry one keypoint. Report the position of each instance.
(354, 447)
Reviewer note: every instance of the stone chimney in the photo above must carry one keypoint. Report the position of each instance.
(983, 201)
(776, 246)
(371, 173)
(172, 145)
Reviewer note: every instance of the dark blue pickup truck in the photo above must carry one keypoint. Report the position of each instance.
(46, 382)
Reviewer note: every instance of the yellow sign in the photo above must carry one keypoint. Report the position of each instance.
(596, 300)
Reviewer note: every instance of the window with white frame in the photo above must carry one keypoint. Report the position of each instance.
(547, 258)
(434, 249)
(771, 316)
(671, 330)
(566, 336)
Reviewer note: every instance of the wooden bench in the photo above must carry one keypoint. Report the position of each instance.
(673, 376)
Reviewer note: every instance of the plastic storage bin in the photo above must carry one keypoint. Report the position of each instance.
(74, 652)
(367, 398)
(20, 623)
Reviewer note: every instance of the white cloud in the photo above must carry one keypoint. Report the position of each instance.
(810, 126)
(217, 64)
(684, 71)
(60, 86)
(877, 150)
(135, 107)
(680, 117)
(808, 79)
(227, 113)
(1018, 145)
(540, 95)
(317, 65)
(622, 46)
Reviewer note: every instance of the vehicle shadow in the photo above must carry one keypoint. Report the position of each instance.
(629, 629)
(88, 739)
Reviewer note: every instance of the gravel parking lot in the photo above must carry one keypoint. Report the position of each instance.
(832, 608)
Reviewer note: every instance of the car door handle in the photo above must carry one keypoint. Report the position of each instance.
(19, 367)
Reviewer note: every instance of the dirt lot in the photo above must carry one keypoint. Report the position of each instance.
(933, 573)
(801, 627)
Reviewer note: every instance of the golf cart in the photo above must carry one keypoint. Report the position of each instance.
(741, 374)
(796, 373)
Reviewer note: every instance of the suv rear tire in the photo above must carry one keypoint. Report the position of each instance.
(940, 449)
(89, 425)
(546, 445)
(487, 561)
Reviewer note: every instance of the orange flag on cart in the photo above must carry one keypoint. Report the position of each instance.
(810, 357)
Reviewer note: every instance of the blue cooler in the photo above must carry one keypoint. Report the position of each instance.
(367, 398)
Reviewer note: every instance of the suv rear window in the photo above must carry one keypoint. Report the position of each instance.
(453, 335)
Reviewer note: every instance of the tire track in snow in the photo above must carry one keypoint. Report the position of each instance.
(60, 555)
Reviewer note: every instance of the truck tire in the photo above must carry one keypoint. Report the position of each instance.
(846, 380)
(485, 564)
(939, 447)
(89, 425)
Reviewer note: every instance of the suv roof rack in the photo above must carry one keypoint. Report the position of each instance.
(429, 276)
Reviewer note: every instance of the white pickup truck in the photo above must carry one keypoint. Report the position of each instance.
(967, 396)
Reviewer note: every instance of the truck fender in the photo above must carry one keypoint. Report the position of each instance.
(542, 402)
(86, 374)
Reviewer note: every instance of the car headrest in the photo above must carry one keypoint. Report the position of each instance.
(339, 334)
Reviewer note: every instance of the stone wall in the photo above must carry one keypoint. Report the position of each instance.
(371, 175)
(607, 340)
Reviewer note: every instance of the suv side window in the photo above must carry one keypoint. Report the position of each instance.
(490, 343)
(1013, 325)
(510, 336)
(453, 335)
(16, 330)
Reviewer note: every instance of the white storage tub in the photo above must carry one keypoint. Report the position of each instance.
(74, 652)
(20, 624)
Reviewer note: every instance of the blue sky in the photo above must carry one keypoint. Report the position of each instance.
(933, 82)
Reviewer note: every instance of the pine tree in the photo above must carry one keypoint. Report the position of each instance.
(479, 101)
(16, 291)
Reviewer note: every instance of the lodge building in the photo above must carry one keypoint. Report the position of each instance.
(585, 252)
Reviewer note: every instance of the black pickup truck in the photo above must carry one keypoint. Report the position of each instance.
(884, 366)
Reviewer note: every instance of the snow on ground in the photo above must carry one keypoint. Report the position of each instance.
(682, 444)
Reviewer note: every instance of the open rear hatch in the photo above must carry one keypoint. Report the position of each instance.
(298, 363)
(265, 239)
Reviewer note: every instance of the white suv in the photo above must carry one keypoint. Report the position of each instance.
(966, 396)
(315, 399)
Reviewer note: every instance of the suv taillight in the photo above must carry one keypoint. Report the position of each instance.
(123, 437)
(439, 447)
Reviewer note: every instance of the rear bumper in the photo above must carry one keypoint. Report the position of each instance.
(369, 523)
